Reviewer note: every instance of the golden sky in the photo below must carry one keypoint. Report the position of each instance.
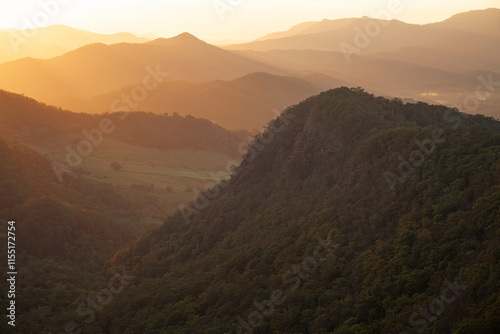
(216, 20)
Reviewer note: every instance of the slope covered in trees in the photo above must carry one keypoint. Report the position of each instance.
(333, 223)
(65, 233)
(28, 120)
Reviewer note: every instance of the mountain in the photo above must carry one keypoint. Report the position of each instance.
(351, 37)
(26, 120)
(97, 68)
(30, 191)
(388, 77)
(309, 28)
(244, 103)
(69, 224)
(477, 21)
(398, 78)
(162, 159)
(52, 41)
(351, 214)
(65, 232)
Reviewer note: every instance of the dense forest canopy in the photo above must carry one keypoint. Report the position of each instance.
(28, 120)
(317, 176)
(333, 223)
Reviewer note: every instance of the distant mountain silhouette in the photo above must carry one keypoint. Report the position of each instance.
(478, 21)
(422, 62)
(97, 68)
(397, 77)
(184, 39)
(245, 103)
(479, 29)
(52, 41)
(388, 77)
(310, 28)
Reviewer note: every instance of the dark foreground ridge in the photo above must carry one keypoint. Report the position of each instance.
(350, 214)
(422, 256)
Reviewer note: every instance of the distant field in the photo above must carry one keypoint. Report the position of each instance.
(147, 173)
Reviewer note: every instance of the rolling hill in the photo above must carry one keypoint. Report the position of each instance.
(27, 120)
(244, 103)
(65, 233)
(164, 159)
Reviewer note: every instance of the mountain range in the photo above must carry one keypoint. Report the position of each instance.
(247, 103)
(98, 68)
(365, 36)
(295, 204)
(421, 62)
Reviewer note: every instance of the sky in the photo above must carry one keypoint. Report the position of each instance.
(217, 21)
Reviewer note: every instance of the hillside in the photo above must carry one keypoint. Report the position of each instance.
(164, 159)
(69, 224)
(66, 231)
(27, 120)
(309, 237)
(244, 103)
(52, 41)
(98, 68)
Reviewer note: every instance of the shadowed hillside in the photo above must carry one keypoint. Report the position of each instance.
(28, 120)
(309, 227)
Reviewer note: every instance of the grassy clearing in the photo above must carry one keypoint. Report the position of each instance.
(159, 180)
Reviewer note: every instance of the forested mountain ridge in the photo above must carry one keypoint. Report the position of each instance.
(65, 233)
(318, 177)
(27, 120)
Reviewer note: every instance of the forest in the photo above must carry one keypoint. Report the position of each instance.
(309, 237)
(27, 120)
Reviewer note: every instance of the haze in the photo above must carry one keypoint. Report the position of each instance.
(235, 21)
(229, 166)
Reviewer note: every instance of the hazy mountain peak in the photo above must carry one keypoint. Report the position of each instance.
(485, 21)
(184, 38)
(475, 13)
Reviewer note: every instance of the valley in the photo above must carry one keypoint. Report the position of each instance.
(340, 176)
